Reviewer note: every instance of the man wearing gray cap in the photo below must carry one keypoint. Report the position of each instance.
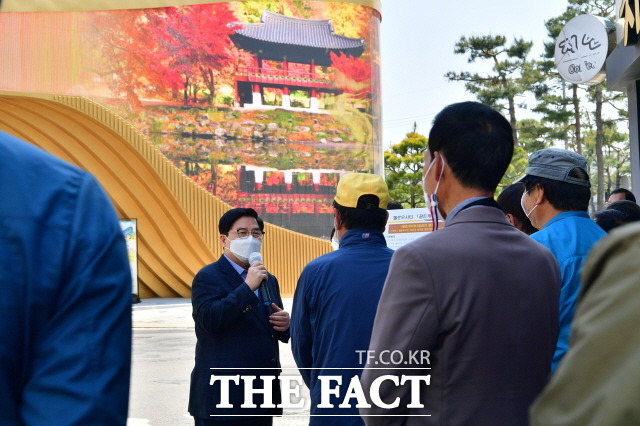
(556, 199)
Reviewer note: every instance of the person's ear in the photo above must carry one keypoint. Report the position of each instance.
(511, 219)
(538, 196)
(338, 217)
(439, 159)
(440, 166)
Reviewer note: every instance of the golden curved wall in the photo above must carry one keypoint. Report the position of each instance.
(177, 220)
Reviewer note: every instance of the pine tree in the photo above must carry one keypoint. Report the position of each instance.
(510, 77)
(403, 170)
(583, 117)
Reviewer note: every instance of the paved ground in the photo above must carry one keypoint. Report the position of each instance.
(163, 350)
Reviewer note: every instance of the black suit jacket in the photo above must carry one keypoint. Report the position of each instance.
(234, 338)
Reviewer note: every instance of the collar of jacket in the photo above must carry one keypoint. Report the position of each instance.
(359, 236)
(564, 215)
(479, 214)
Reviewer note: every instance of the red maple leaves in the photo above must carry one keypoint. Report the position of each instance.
(165, 52)
(352, 75)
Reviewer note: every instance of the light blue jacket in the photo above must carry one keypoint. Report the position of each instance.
(65, 295)
(570, 237)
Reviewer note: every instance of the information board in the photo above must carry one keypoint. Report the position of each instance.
(406, 225)
(130, 231)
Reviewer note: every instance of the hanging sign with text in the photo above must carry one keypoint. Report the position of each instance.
(406, 225)
(582, 49)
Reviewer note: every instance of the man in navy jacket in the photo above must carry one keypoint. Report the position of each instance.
(337, 295)
(65, 294)
(237, 333)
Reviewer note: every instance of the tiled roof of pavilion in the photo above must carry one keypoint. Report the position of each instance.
(315, 33)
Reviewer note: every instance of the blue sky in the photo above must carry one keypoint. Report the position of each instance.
(417, 42)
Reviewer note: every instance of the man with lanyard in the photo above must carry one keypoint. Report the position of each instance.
(478, 296)
(556, 200)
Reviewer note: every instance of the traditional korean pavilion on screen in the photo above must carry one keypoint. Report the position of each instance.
(286, 53)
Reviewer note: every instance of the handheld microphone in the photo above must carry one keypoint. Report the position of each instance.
(254, 258)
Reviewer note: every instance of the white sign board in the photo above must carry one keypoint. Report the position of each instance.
(582, 49)
(406, 225)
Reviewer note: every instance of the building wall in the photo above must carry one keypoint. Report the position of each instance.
(177, 220)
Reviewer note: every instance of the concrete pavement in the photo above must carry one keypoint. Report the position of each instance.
(163, 350)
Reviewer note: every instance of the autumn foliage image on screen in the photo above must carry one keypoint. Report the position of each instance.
(265, 104)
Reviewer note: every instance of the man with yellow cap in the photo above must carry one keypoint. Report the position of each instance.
(335, 302)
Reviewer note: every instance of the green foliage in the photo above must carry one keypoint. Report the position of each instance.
(156, 125)
(252, 10)
(284, 118)
(616, 158)
(300, 99)
(403, 170)
(532, 138)
(586, 119)
(359, 122)
(533, 135)
(224, 100)
(515, 169)
(512, 73)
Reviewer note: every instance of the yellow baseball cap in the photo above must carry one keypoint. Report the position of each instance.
(354, 185)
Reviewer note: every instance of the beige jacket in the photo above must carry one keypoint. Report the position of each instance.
(598, 381)
(481, 299)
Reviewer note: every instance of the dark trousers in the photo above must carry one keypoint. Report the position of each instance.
(239, 421)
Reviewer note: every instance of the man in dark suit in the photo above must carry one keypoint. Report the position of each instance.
(472, 308)
(237, 332)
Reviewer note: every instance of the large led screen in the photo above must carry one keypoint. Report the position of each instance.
(264, 103)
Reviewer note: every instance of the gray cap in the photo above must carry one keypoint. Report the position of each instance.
(555, 164)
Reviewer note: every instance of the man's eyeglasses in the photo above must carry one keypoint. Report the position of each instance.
(243, 233)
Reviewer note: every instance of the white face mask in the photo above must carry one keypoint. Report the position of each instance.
(335, 244)
(335, 241)
(523, 207)
(243, 247)
(431, 202)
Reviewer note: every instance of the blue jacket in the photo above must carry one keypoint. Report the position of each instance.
(234, 338)
(65, 295)
(334, 307)
(570, 237)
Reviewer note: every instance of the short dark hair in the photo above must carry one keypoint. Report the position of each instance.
(609, 219)
(563, 196)
(509, 203)
(628, 195)
(229, 218)
(360, 217)
(476, 141)
(394, 205)
(629, 209)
